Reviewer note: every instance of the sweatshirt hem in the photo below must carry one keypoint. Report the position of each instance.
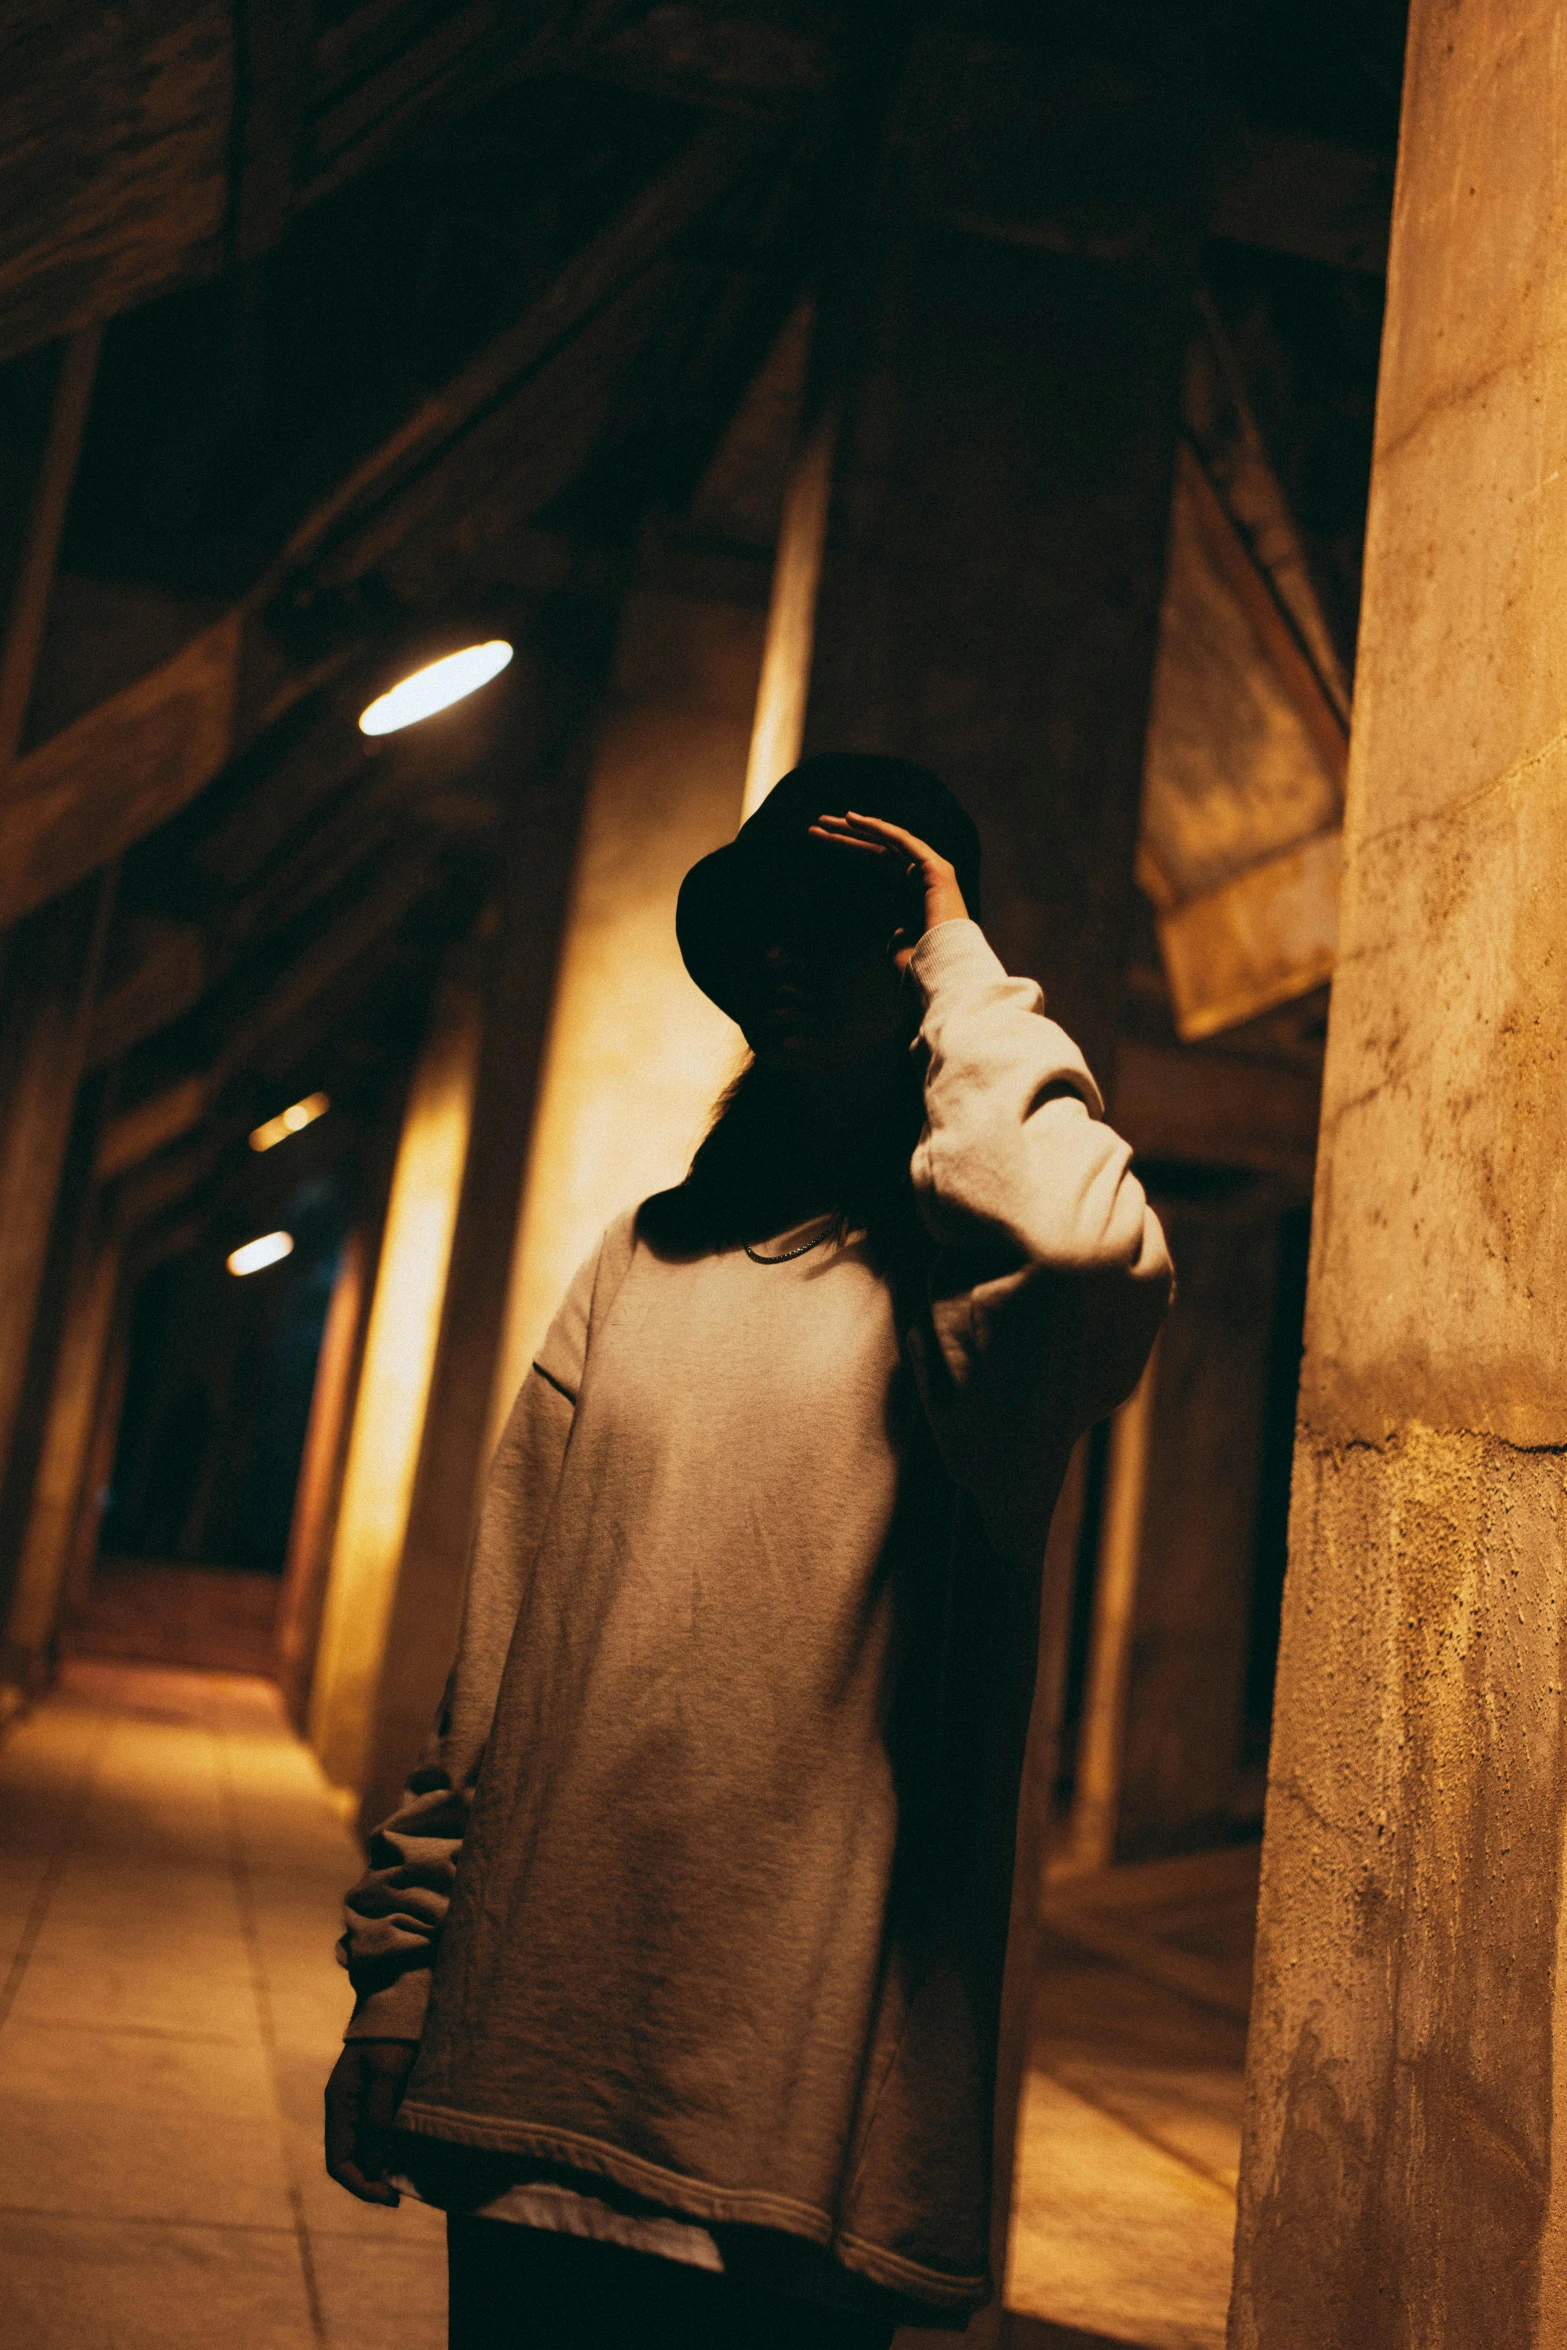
(755, 2206)
(696, 2199)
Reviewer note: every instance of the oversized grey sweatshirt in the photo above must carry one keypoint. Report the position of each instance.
(704, 1870)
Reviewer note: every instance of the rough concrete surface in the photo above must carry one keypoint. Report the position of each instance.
(1403, 2181)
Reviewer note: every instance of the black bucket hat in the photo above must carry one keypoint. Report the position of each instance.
(730, 901)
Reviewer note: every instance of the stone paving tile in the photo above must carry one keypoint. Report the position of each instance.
(139, 2125)
(21, 1878)
(376, 2295)
(158, 2173)
(1171, 2070)
(106, 1952)
(89, 2283)
(1113, 2234)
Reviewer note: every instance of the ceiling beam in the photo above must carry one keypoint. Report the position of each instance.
(186, 1106)
(403, 881)
(1304, 196)
(1217, 1109)
(124, 768)
(118, 771)
(138, 1133)
(143, 148)
(114, 159)
(1271, 624)
(41, 544)
(632, 241)
(166, 978)
(272, 76)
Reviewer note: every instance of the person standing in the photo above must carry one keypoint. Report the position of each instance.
(678, 1969)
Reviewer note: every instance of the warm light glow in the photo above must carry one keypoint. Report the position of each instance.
(256, 1255)
(394, 1386)
(289, 1121)
(435, 687)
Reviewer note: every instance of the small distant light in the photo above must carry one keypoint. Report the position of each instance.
(289, 1121)
(256, 1255)
(435, 687)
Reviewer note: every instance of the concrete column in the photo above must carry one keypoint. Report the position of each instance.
(1096, 1801)
(989, 605)
(521, 953)
(303, 1591)
(636, 1055)
(394, 1385)
(1186, 1684)
(1405, 2165)
(990, 590)
(58, 1478)
(46, 992)
(82, 1561)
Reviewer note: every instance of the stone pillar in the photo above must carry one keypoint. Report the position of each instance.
(990, 591)
(636, 1055)
(303, 1590)
(1405, 2165)
(46, 993)
(1101, 1744)
(68, 1429)
(521, 953)
(1186, 1688)
(989, 605)
(82, 1561)
(394, 1383)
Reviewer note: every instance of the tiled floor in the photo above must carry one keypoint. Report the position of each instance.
(1124, 2211)
(170, 1876)
(170, 1872)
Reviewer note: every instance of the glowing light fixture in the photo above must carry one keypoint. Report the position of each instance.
(435, 687)
(256, 1255)
(289, 1121)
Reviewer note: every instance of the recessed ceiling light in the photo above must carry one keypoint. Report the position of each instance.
(289, 1121)
(435, 687)
(256, 1255)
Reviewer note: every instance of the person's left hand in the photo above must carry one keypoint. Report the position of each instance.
(934, 879)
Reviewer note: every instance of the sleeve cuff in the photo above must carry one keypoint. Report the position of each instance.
(395, 2011)
(953, 950)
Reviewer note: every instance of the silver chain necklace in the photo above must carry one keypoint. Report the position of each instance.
(789, 1254)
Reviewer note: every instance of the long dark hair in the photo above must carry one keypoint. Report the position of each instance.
(760, 1165)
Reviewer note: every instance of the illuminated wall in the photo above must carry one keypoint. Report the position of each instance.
(636, 1055)
(394, 1386)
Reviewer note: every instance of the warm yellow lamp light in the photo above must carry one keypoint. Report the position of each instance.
(256, 1255)
(435, 687)
(289, 1121)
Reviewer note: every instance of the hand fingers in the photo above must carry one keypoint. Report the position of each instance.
(895, 836)
(880, 832)
(368, 2190)
(360, 2103)
(847, 840)
(343, 2151)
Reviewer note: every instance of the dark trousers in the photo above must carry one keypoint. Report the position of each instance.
(518, 2288)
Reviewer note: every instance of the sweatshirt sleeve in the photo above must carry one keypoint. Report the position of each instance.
(395, 1913)
(1051, 1274)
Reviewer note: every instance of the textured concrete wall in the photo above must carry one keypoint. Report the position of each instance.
(1405, 2176)
(636, 1056)
(990, 593)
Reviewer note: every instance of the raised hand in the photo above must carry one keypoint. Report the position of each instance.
(928, 874)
